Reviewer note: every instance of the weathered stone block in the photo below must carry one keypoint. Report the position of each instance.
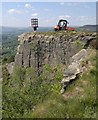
(18, 60)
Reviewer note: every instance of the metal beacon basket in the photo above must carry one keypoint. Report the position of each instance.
(34, 23)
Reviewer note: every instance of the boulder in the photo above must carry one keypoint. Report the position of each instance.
(74, 69)
(10, 67)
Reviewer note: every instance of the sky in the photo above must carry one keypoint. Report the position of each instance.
(19, 14)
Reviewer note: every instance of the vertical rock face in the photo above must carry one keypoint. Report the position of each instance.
(36, 50)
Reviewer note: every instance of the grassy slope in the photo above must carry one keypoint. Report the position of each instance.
(78, 101)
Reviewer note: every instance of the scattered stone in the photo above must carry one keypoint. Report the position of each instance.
(76, 37)
(94, 34)
(74, 69)
(10, 67)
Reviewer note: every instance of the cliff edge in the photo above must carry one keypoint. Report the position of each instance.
(38, 49)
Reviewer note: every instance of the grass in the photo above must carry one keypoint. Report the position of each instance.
(24, 89)
(27, 96)
(79, 44)
(78, 101)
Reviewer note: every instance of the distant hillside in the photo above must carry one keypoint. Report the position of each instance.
(88, 28)
(20, 30)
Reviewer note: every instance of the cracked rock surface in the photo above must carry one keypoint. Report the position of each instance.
(74, 69)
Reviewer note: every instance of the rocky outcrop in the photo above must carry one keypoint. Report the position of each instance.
(75, 68)
(38, 49)
(10, 67)
(0, 72)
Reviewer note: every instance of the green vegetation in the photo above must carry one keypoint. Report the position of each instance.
(9, 47)
(79, 44)
(78, 101)
(24, 89)
(26, 95)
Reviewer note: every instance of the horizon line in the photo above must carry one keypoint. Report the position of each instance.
(41, 26)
